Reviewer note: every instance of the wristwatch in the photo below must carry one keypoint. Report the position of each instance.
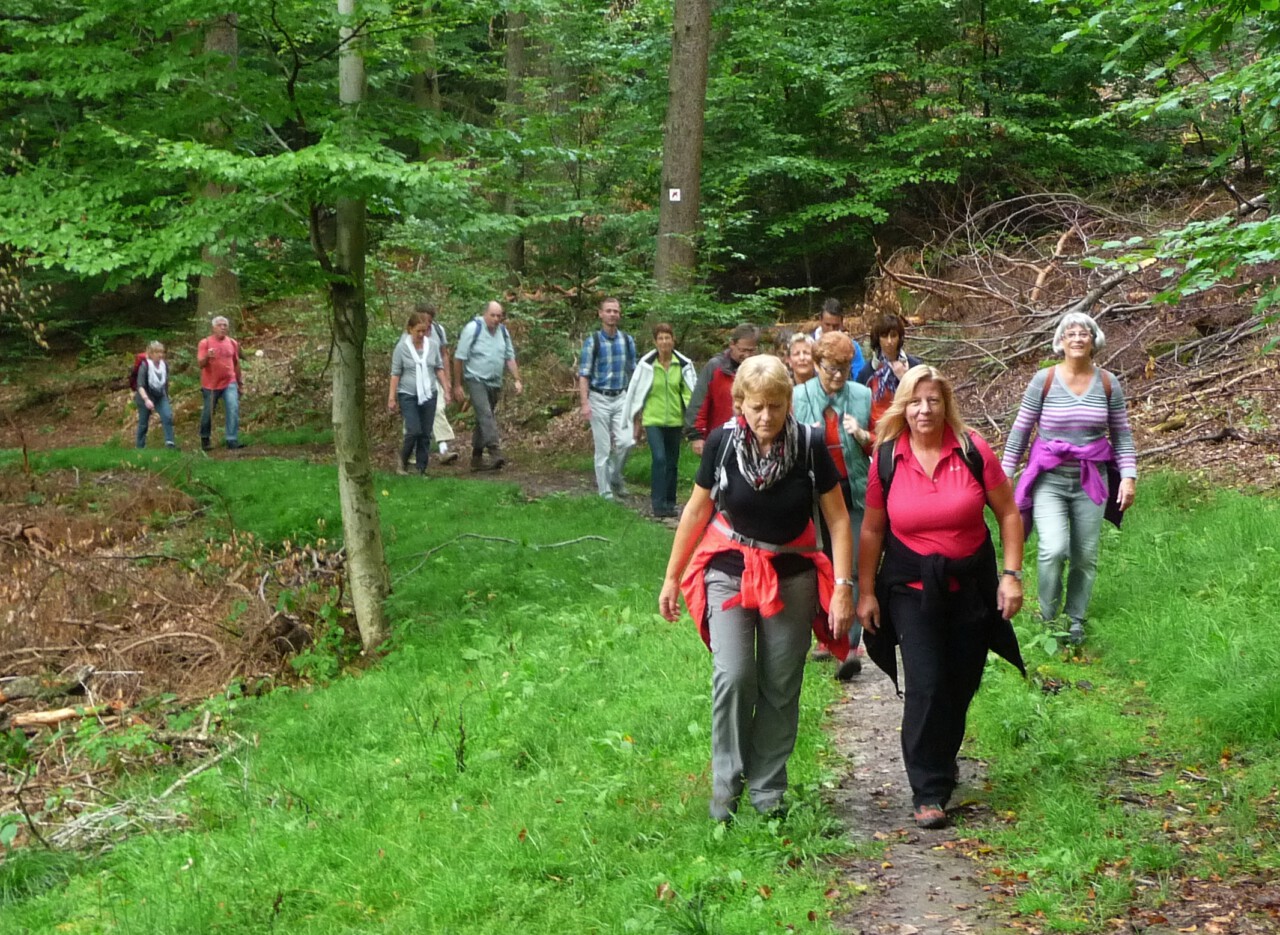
(846, 581)
(1014, 573)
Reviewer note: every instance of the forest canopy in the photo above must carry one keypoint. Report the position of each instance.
(522, 142)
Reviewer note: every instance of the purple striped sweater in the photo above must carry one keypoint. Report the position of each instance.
(1075, 419)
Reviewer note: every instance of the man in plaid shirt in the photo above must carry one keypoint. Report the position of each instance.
(604, 369)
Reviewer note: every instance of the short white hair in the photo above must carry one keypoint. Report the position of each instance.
(220, 319)
(1078, 318)
(155, 346)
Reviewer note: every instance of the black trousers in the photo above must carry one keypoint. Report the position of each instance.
(942, 662)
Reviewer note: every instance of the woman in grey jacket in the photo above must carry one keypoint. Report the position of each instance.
(416, 370)
(660, 389)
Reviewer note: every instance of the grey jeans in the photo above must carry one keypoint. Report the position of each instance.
(757, 672)
(484, 401)
(1069, 525)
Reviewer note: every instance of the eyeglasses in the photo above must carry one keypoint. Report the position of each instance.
(836, 371)
(1077, 335)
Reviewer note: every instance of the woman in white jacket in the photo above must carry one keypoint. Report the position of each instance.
(660, 389)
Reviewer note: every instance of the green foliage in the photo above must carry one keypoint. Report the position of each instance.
(532, 755)
(1175, 682)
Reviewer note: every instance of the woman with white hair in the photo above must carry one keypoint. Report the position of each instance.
(1081, 466)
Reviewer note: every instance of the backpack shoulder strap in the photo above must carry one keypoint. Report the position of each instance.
(977, 467)
(1106, 384)
(720, 476)
(813, 486)
(475, 333)
(1048, 382)
(885, 467)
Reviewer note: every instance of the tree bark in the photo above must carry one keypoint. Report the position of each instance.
(361, 524)
(676, 259)
(517, 67)
(219, 291)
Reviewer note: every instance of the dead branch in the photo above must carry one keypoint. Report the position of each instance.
(184, 634)
(57, 715)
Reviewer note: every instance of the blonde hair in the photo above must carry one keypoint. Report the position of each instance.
(762, 375)
(894, 422)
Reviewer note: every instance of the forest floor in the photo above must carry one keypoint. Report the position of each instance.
(63, 533)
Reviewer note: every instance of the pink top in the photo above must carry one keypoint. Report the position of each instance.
(940, 515)
(223, 368)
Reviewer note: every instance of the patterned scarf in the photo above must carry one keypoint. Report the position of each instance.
(884, 381)
(762, 471)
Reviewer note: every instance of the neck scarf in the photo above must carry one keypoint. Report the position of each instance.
(157, 374)
(763, 470)
(423, 378)
(884, 380)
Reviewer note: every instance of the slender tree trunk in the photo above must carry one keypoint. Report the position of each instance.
(361, 525)
(676, 260)
(426, 83)
(219, 291)
(517, 67)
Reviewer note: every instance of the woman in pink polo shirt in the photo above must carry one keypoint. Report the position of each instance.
(937, 593)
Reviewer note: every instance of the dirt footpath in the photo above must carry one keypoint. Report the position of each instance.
(924, 885)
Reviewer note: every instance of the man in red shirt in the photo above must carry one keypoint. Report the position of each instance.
(219, 358)
(712, 402)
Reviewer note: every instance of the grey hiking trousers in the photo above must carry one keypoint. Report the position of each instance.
(757, 672)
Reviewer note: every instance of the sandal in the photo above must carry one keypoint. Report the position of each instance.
(930, 816)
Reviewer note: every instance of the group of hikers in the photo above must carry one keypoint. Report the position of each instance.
(837, 499)
(834, 488)
(221, 380)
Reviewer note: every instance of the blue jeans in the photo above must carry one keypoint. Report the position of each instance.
(163, 410)
(230, 396)
(664, 445)
(1069, 526)
(418, 420)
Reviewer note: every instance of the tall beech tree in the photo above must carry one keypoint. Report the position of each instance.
(680, 191)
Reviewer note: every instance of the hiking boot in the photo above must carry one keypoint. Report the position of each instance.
(477, 462)
(497, 463)
(851, 666)
(930, 816)
(448, 457)
(402, 468)
(1075, 633)
(820, 653)
(204, 444)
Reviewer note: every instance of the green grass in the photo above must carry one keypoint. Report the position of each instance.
(1159, 753)
(533, 753)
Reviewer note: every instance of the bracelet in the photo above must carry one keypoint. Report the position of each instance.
(848, 582)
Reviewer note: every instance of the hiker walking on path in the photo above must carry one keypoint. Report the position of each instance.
(712, 403)
(660, 389)
(832, 319)
(800, 358)
(485, 353)
(753, 575)
(418, 387)
(441, 430)
(840, 409)
(220, 379)
(150, 383)
(937, 593)
(888, 364)
(1082, 466)
(605, 366)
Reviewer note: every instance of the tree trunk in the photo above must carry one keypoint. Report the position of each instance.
(676, 259)
(219, 291)
(426, 84)
(361, 525)
(517, 66)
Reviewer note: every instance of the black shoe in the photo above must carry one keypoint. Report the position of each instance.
(498, 462)
(849, 668)
(235, 446)
(477, 462)
(930, 816)
(204, 445)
